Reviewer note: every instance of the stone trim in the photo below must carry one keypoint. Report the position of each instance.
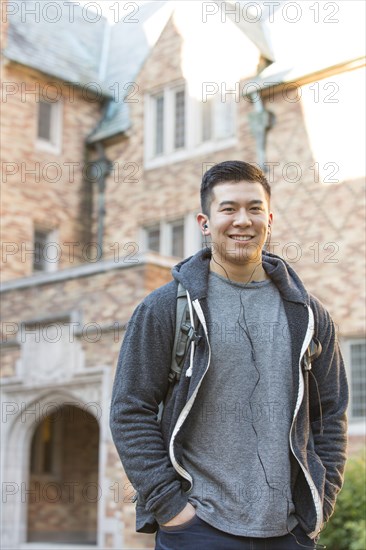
(81, 391)
(86, 271)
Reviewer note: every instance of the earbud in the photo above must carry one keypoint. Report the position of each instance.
(205, 226)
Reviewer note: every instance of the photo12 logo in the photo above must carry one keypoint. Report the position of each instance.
(253, 12)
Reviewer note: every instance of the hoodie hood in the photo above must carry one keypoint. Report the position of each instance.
(193, 274)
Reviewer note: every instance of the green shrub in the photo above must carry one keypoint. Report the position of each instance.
(347, 527)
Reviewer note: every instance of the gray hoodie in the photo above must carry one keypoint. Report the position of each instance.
(151, 451)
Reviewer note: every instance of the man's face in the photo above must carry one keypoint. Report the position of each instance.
(239, 220)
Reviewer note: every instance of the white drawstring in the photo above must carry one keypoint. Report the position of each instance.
(189, 371)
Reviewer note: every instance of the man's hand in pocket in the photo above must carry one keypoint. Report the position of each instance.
(186, 514)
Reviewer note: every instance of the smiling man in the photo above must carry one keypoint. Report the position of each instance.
(250, 450)
(236, 215)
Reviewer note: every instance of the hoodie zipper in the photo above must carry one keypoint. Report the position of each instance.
(314, 492)
(186, 409)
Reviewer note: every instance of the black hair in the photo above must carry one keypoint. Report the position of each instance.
(230, 171)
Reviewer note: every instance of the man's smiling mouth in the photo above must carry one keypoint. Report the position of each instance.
(241, 237)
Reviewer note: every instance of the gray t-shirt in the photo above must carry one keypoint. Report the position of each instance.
(237, 444)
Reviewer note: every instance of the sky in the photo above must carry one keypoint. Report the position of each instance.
(299, 31)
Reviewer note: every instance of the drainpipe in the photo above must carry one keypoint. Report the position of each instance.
(102, 169)
(260, 121)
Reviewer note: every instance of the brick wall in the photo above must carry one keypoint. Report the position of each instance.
(105, 300)
(41, 188)
(309, 220)
(314, 222)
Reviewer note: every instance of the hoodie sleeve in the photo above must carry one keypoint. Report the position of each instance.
(141, 383)
(330, 431)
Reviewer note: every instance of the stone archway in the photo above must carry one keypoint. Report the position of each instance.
(63, 478)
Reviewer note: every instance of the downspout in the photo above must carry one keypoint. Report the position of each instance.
(104, 167)
(100, 170)
(260, 121)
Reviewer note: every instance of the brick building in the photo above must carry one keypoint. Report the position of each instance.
(106, 132)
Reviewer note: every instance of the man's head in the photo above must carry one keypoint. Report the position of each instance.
(236, 216)
(230, 171)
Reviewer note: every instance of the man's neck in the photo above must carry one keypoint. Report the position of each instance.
(240, 273)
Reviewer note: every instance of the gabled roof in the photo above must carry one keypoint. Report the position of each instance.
(255, 30)
(69, 49)
(138, 40)
(75, 50)
(129, 46)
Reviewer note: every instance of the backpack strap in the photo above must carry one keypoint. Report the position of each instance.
(312, 353)
(184, 335)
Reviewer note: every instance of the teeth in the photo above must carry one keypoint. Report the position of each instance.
(241, 238)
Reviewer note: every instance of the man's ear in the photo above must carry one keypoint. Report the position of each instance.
(203, 223)
(270, 221)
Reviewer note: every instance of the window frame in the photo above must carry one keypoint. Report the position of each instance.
(51, 237)
(54, 144)
(357, 424)
(154, 227)
(193, 142)
(155, 99)
(174, 92)
(192, 241)
(179, 222)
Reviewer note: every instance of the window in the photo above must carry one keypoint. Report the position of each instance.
(153, 238)
(217, 119)
(168, 122)
(166, 238)
(223, 118)
(179, 119)
(354, 354)
(159, 125)
(180, 237)
(178, 126)
(206, 129)
(45, 121)
(49, 126)
(357, 357)
(177, 238)
(46, 251)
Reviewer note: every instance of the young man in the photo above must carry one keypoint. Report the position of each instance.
(251, 447)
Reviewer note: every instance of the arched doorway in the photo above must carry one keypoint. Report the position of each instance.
(63, 478)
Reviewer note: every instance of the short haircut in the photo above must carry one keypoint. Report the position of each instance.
(230, 171)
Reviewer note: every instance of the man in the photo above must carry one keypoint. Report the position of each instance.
(251, 447)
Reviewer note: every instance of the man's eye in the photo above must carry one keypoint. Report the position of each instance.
(228, 209)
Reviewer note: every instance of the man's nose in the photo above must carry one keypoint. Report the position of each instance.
(242, 219)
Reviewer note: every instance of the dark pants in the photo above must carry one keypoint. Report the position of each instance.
(196, 534)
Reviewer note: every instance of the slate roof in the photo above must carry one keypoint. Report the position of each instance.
(77, 51)
(69, 49)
